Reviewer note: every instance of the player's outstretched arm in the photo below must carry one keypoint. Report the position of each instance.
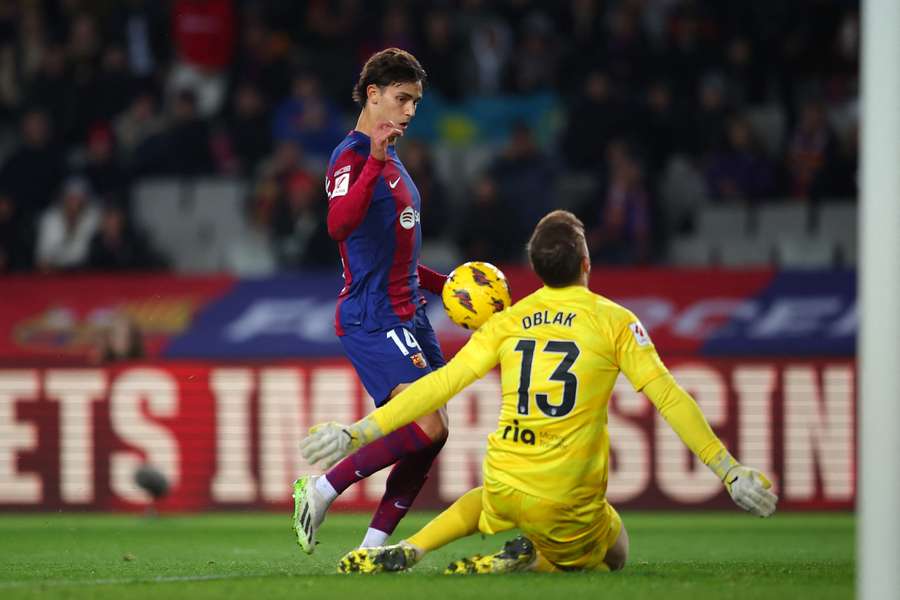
(749, 488)
(328, 443)
(431, 280)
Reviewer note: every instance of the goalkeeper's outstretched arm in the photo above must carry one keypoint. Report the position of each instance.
(330, 442)
(749, 488)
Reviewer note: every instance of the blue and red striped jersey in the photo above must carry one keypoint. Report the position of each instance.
(373, 214)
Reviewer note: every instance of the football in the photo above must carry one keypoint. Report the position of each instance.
(473, 292)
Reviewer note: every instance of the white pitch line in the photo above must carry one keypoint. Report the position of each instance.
(88, 582)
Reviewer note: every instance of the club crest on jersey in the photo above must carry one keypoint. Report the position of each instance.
(418, 359)
(409, 217)
(464, 299)
(640, 334)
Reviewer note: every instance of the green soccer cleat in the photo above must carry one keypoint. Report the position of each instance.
(517, 555)
(309, 512)
(399, 557)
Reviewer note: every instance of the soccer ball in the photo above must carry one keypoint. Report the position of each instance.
(473, 292)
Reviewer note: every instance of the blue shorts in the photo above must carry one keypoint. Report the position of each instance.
(386, 358)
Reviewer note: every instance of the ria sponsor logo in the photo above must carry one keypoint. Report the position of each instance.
(523, 435)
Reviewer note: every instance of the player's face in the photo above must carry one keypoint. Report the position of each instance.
(397, 102)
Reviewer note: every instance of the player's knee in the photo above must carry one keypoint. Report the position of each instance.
(615, 563)
(435, 427)
(617, 556)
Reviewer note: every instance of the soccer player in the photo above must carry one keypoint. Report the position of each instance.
(373, 214)
(560, 351)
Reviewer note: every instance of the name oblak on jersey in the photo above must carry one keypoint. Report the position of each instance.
(543, 318)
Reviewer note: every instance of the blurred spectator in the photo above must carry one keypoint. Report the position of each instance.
(120, 340)
(116, 246)
(527, 182)
(83, 54)
(249, 133)
(107, 177)
(746, 77)
(139, 135)
(439, 46)
(583, 23)
(262, 60)
(435, 212)
(9, 69)
(16, 237)
(657, 129)
(740, 171)
(141, 27)
(114, 86)
(811, 150)
(394, 32)
(285, 161)
(595, 117)
(32, 173)
(619, 231)
(66, 228)
(252, 252)
(686, 57)
(625, 48)
(705, 131)
(844, 174)
(204, 35)
(480, 237)
(302, 235)
(187, 140)
(51, 88)
(486, 64)
(308, 119)
(536, 60)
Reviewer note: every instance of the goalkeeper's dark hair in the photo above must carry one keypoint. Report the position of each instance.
(556, 248)
(391, 65)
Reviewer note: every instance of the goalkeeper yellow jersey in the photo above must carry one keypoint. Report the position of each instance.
(560, 351)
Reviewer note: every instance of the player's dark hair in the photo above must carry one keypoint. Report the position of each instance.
(391, 65)
(556, 248)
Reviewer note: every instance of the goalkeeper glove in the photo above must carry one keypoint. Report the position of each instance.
(328, 443)
(749, 488)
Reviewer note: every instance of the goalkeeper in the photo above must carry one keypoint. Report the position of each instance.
(560, 351)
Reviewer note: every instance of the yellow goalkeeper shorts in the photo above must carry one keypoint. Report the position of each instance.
(570, 537)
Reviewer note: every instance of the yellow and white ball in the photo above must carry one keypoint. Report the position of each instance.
(473, 292)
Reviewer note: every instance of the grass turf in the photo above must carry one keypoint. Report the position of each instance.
(689, 556)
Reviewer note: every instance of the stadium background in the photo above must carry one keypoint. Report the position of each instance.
(167, 286)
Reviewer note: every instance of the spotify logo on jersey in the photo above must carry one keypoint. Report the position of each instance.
(409, 217)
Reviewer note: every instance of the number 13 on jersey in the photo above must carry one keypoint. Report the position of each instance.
(564, 354)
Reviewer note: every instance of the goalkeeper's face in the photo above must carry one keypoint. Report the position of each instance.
(396, 102)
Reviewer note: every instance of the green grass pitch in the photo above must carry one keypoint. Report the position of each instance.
(691, 556)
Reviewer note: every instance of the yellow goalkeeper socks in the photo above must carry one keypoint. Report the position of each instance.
(458, 521)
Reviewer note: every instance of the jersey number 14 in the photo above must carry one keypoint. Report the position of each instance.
(562, 374)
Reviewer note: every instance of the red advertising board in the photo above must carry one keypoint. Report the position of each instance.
(57, 320)
(225, 435)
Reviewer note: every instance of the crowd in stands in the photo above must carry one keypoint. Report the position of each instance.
(96, 96)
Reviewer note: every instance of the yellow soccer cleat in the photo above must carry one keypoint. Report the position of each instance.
(517, 555)
(381, 559)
